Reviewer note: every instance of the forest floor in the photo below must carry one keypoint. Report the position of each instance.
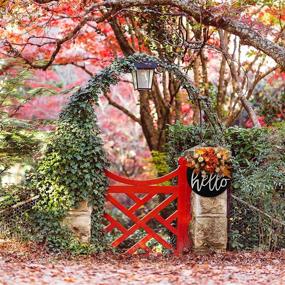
(30, 264)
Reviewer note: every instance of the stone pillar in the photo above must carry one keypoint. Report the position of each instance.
(209, 223)
(78, 220)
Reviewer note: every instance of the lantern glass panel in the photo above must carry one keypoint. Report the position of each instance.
(151, 71)
(135, 82)
(143, 78)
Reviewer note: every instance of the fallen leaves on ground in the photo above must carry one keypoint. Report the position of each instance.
(30, 264)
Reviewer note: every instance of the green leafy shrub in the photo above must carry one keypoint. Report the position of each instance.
(158, 159)
(181, 137)
(270, 107)
(258, 179)
(19, 143)
(71, 171)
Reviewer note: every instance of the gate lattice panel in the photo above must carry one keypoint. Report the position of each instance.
(134, 190)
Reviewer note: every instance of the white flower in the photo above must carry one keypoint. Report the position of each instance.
(196, 155)
(200, 159)
(217, 169)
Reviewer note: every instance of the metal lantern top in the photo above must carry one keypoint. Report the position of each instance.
(146, 65)
(143, 75)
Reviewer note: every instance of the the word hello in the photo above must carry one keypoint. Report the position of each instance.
(213, 182)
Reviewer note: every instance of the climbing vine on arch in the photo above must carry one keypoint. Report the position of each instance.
(72, 169)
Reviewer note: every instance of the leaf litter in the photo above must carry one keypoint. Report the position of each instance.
(28, 263)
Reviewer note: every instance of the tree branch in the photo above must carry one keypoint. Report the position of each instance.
(213, 16)
(258, 210)
(123, 42)
(45, 1)
(59, 42)
(234, 116)
(121, 108)
(237, 84)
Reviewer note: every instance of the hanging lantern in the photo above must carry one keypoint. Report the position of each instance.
(143, 75)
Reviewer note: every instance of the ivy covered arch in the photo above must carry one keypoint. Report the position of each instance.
(72, 169)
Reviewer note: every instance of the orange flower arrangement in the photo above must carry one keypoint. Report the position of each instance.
(209, 160)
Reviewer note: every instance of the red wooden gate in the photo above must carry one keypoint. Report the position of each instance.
(150, 188)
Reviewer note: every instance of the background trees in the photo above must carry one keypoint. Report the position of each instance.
(232, 52)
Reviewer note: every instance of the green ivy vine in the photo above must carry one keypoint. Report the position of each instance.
(72, 169)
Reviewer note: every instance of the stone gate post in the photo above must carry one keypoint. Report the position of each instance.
(78, 221)
(209, 222)
(208, 175)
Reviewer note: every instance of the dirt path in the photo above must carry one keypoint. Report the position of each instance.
(31, 266)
